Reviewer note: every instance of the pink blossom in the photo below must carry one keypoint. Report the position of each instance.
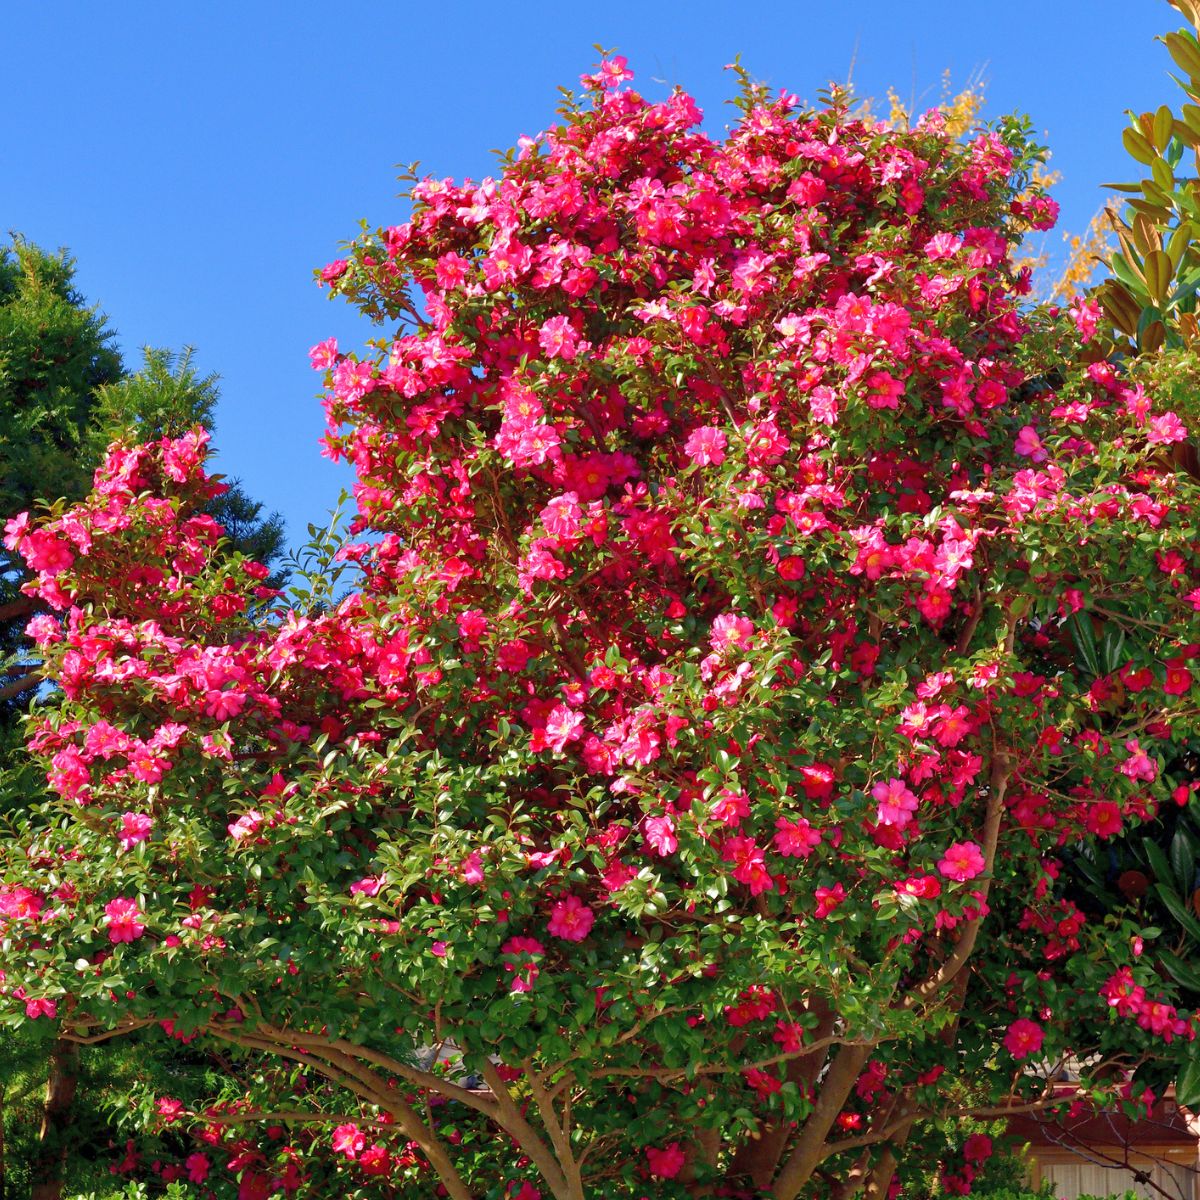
(1029, 445)
(660, 835)
(943, 245)
(667, 1161)
(795, 839)
(1139, 765)
(706, 446)
(124, 920)
(43, 551)
(524, 969)
(571, 919)
(245, 826)
(730, 807)
(896, 803)
(198, 1166)
(962, 861)
(368, 886)
(135, 828)
(562, 515)
(43, 1007)
(563, 725)
(1024, 1037)
(559, 338)
(1166, 428)
(828, 899)
(1086, 315)
(729, 631)
(348, 1140)
(324, 354)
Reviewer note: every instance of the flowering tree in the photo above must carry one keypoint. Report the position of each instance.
(675, 808)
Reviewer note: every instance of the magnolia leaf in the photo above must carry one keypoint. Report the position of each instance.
(1187, 1085)
(1138, 147)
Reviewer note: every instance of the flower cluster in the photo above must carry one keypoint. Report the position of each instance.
(728, 521)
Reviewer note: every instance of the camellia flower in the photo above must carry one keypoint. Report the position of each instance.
(665, 1161)
(962, 861)
(706, 446)
(829, 898)
(795, 839)
(571, 919)
(348, 1140)
(124, 920)
(896, 803)
(524, 973)
(1024, 1037)
(135, 828)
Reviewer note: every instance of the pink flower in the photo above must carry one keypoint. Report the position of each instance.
(1139, 765)
(135, 828)
(47, 553)
(41, 1008)
(730, 807)
(563, 725)
(348, 1140)
(795, 839)
(730, 631)
(1029, 445)
(1165, 429)
(829, 899)
(1086, 315)
(324, 354)
(124, 920)
(660, 835)
(1024, 1037)
(198, 1167)
(896, 803)
(665, 1162)
(367, 886)
(571, 919)
(706, 446)
(559, 339)
(562, 515)
(245, 826)
(884, 390)
(333, 270)
(962, 861)
(943, 245)
(472, 868)
(524, 970)
(977, 1148)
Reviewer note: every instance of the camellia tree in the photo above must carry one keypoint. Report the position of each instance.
(676, 808)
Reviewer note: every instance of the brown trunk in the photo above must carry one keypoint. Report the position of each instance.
(3, 1155)
(50, 1162)
(758, 1158)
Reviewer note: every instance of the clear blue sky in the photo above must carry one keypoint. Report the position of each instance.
(200, 159)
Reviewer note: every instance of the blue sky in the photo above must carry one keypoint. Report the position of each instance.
(200, 159)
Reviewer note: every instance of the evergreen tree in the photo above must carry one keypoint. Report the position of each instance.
(65, 395)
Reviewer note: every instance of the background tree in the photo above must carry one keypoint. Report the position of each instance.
(64, 397)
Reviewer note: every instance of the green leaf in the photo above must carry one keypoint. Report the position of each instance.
(1158, 862)
(1180, 971)
(1187, 1086)
(1179, 911)
(1183, 861)
(1085, 641)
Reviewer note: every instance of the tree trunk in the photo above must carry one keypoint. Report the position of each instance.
(3, 1155)
(50, 1162)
